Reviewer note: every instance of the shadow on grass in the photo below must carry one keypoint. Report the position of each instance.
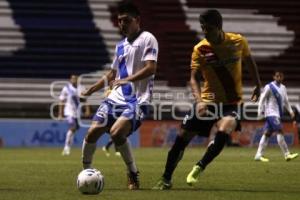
(210, 190)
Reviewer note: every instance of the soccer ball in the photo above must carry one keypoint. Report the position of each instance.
(90, 181)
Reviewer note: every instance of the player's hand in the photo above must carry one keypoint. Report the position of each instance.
(255, 94)
(85, 93)
(260, 115)
(292, 114)
(120, 82)
(201, 108)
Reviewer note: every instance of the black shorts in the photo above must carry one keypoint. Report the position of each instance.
(202, 125)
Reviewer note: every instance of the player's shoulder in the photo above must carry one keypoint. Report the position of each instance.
(121, 42)
(201, 44)
(66, 86)
(283, 86)
(146, 35)
(234, 36)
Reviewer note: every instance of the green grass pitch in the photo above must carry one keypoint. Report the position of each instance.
(42, 173)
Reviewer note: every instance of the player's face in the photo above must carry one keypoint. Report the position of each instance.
(212, 33)
(278, 77)
(128, 25)
(73, 80)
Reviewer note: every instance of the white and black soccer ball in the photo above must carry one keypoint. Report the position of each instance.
(90, 181)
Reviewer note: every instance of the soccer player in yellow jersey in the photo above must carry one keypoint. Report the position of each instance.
(218, 59)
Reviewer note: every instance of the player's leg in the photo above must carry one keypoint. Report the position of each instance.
(90, 142)
(189, 128)
(73, 127)
(277, 127)
(263, 143)
(225, 126)
(175, 154)
(102, 121)
(284, 147)
(119, 132)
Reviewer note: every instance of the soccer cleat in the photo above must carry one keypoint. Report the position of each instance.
(118, 154)
(66, 151)
(106, 151)
(193, 176)
(291, 156)
(262, 159)
(133, 181)
(162, 184)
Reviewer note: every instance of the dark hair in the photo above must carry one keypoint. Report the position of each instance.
(129, 8)
(212, 17)
(277, 71)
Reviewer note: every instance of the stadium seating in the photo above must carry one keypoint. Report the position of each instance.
(51, 39)
(286, 16)
(41, 42)
(271, 28)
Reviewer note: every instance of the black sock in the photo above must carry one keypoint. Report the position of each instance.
(174, 156)
(214, 149)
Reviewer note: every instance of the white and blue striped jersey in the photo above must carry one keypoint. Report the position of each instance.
(130, 58)
(273, 100)
(70, 95)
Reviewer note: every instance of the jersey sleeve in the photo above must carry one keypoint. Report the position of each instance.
(287, 102)
(245, 47)
(262, 99)
(151, 49)
(64, 94)
(195, 59)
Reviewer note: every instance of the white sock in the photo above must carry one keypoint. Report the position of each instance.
(127, 156)
(69, 139)
(88, 150)
(282, 144)
(263, 143)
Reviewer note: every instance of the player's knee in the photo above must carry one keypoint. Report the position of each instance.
(185, 135)
(91, 136)
(267, 134)
(227, 125)
(73, 129)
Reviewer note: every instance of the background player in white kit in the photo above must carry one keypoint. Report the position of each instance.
(272, 102)
(132, 72)
(68, 107)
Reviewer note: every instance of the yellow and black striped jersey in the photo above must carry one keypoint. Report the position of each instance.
(221, 68)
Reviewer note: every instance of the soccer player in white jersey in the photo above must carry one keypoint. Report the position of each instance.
(132, 73)
(272, 102)
(68, 107)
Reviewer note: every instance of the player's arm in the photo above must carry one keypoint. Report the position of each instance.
(262, 100)
(61, 106)
(104, 81)
(194, 81)
(148, 70)
(288, 105)
(251, 65)
(195, 85)
(196, 91)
